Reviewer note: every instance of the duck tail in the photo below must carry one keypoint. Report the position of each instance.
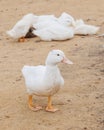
(94, 30)
(24, 70)
(10, 33)
(97, 29)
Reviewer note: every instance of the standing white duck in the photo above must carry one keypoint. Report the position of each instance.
(21, 28)
(45, 80)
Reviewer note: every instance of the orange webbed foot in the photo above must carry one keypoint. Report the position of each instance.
(35, 108)
(51, 109)
(32, 106)
(22, 39)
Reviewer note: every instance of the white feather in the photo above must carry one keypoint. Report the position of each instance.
(84, 29)
(22, 26)
(55, 31)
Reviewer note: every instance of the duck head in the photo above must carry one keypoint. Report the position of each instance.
(56, 56)
(67, 19)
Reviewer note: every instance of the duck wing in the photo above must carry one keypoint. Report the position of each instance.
(33, 71)
(55, 32)
(33, 76)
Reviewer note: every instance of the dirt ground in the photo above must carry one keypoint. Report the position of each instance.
(81, 101)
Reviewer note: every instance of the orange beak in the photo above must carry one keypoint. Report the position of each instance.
(67, 61)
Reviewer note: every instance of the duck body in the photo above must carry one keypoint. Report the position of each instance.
(55, 31)
(42, 80)
(50, 28)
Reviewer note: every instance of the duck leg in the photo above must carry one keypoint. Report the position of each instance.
(21, 39)
(32, 106)
(49, 107)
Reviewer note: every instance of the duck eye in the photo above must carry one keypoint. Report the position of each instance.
(58, 54)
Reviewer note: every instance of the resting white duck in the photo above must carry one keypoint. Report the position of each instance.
(45, 80)
(22, 27)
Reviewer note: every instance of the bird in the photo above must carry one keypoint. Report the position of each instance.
(45, 80)
(22, 27)
(49, 27)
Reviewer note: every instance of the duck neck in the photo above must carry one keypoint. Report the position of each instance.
(52, 69)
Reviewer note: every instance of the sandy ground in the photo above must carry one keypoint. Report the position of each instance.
(81, 101)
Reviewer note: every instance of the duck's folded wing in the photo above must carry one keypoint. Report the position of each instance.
(55, 32)
(33, 71)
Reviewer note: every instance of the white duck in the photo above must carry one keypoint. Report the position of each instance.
(83, 29)
(45, 80)
(21, 28)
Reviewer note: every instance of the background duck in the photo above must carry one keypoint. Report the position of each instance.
(49, 27)
(45, 80)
